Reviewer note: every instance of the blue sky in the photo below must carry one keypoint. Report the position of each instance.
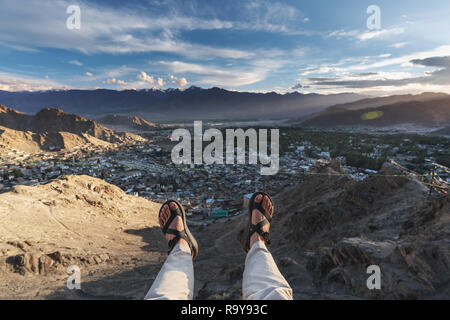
(321, 46)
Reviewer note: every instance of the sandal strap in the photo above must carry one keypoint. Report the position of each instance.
(183, 234)
(175, 232)
(258, 206)
(178, 235)
(173, 215)
(172, 243)
(258, 229)
(258, 226)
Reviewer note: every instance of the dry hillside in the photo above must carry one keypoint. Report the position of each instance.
(326, 231)
(423, 113)
(53, 129)
(75, 220)
(118, 122)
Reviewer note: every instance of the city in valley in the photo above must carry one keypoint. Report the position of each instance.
(214, 192)
(87, 193)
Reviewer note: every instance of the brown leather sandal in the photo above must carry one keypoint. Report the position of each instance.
(184, 234)
(252, 228)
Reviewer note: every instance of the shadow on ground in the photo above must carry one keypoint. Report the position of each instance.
(111, 282)
(218, 269)
(153, 236)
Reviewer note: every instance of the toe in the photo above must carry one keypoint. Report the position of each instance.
(258, 198)
(173, 206)
(268, 205)
(166, 215)
(163, 216)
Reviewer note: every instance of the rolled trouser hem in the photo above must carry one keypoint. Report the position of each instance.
(262, 279)
(175, 281)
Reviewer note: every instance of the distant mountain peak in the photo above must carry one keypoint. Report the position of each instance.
(173, 90)
(193, 88)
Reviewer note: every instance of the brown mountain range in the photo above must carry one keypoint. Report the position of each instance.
(383, 101)
(54, 129)
(118, 122)
(442, 132)
(421, 113)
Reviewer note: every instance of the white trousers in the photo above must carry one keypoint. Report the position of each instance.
(261, 280)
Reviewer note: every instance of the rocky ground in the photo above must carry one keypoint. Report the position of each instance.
(81, 221)
(327, 230)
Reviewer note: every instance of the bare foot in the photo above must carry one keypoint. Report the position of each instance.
(258, 217)
(176, 224)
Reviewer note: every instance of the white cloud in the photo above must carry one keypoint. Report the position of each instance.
(380, 34)
(179, 81)
(382, 74)
(404, 60)
(15, 82)
(182, 82)
(269, 16)
(19, 47)
(104, 30)
(317, 70)
(144, 77)
(398, 45)
(145, 81)
(365, 35)
(339, 34)
(124, 29)
(116, 81)
(76, 63)
(368, 63)
(394, 81)
(103, 74)
(184, 67)
(267, 63)
(161, 82)
(213, 75)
